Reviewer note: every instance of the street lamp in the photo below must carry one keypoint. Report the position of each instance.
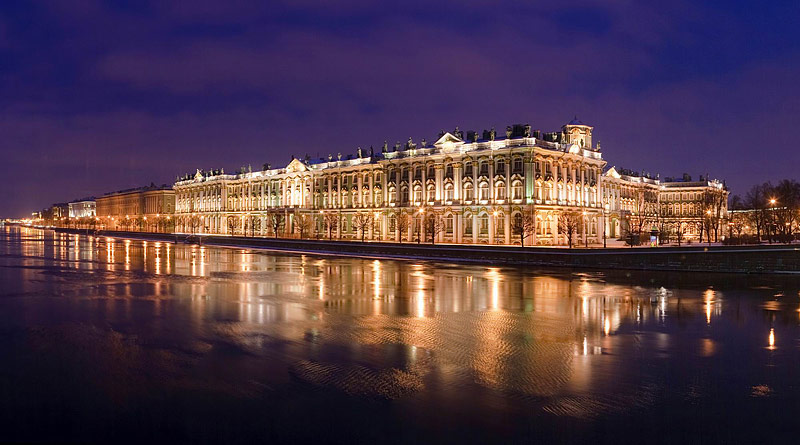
(585, 231)
(772, 203)
(494, 225)
(605, 221)
(419, 225)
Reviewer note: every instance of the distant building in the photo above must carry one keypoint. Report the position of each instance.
(83, 208)
(145, 208)
(480, 184)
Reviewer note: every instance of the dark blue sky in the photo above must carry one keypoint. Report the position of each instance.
(99, 96)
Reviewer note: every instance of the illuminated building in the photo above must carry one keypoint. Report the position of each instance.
(146, 208)
(477, 184)
(84, 208)
(666, 206)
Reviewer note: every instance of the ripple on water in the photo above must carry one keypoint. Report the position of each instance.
(358, 380)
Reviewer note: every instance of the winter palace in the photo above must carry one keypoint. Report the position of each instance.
(478, 184)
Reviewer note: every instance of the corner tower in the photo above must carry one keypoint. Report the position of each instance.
(576, 132)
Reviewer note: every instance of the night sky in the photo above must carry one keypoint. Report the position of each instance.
(100, 96)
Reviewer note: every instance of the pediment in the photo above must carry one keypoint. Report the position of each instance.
(296, 166)
(613, 173)
(446, 139)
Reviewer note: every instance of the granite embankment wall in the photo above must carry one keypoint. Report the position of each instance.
(732, 259)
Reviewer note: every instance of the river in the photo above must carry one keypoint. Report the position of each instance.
(117, 340)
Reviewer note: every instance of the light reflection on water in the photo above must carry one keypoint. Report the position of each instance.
(435, 336)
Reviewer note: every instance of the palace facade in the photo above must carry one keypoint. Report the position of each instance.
(477, 184)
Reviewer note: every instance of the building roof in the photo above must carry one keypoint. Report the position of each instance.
(147, 188)
(576, 121)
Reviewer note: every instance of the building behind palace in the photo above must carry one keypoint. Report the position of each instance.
(143, 208)
(479, 184)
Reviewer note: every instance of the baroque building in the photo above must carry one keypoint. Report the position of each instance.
(478, 185)
(144, 208)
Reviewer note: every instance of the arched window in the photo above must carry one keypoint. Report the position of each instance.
(468, 224)
(468, 191)
(518, 165)
(500, 191)
(516, 190)
(483, 224)
(417, 194)
(500, 169)
(500, 225)
(431, 192)
(483, 191)
(448, 192)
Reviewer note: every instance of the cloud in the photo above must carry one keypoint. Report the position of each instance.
(107, 96)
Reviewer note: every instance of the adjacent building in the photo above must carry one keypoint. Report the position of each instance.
(672, 208)
(82, 208)
(147, 208)
(479, 184)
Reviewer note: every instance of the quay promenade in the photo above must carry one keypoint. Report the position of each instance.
(761, 259)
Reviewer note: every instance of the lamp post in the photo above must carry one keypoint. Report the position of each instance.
(494, 225)
(419, 225)
(585, 230)
(376, 219)
(605, 221)
(772, 203)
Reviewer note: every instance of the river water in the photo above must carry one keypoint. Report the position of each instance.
(107, 340)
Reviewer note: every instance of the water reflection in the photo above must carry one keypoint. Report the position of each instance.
(558, 342)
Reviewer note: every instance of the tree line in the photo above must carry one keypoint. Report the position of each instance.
(767, 212)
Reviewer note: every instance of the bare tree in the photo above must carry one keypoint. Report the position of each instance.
(757, 200)
(640, 209)
(570, 223)
(737, 223)
(523, 225)
(233, 223)
(661, 220)
(194, 222)
(785, 210)
(303, 223)
(330, 220)
(433, 223)
(276, 221)
(402, 221)
(680, 230)
(714, 205)
(362, 221)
